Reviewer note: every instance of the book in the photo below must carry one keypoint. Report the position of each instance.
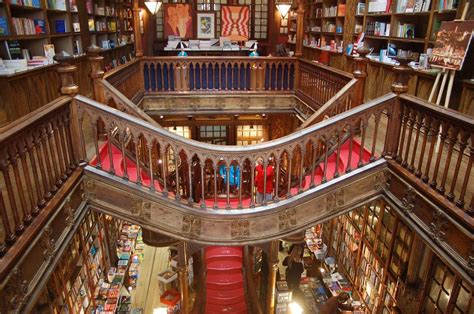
(77, 49)
(49, 52)
(76, 27)
(73, 5)
(14, 50)
(91, 24)
(40, 26)
(60, 26)
(4, 26)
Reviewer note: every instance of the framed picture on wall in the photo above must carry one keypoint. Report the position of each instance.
(206, 25)
(178, 20)
(235, 22)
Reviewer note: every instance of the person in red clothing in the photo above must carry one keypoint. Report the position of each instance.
(260, 182)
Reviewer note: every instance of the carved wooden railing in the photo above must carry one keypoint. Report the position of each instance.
(296, 152)
(127, 79)
(437, 146)
(318, 83)
(37, 156)
(218, 74)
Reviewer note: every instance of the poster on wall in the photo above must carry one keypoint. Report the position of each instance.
(235, 22)
(452, 43)
(178, 20)
(206, 25)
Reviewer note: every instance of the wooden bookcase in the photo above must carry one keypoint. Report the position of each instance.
(67, 27)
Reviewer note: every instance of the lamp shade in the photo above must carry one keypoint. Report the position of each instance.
(283, 8)
(153, 6)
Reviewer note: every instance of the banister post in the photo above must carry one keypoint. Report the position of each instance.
(69, 88)
(97, 72)
(360, 73)
(399, 86)
(136, 29)
(67, 73)
(299, 29)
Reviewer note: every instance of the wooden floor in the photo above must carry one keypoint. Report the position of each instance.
(146, 295)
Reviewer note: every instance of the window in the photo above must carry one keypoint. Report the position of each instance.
(183, 131)
(385, 236)
(258, 17)
(213, 134)
(401, 249)
(249, 134)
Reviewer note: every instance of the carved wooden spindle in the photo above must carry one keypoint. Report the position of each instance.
(215, 165)
(417, 126)
(314, 159)
(462, 146)
(202, 164)
(42, 168)
(45, 155)
(109, 149)
(265, 164)
(30, 147)
(452, 141)
(325, 141)
(426, 128)
(96, 145)
(177, 158)
(27, 218)
(374, 140)
(277, 180)
(227, 171)
(241, 165)
(123, 138)
(290, 161)
(22, 151)
(252, 183)
(149, 149)
(190, 180)
(443, 135)
(55, 162)
(68, 160)
(5, 164)
(136, 143)
(411, 121)
(351, 143)
(164, 169)
(432, 135)
(97, 73)
(9, 234)
(460, 202)
(300, 185)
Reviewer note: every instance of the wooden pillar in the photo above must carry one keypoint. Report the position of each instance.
(272, 274)
(360, 73)
(136, 29)
(67, 73)
(97, 72)
(400, 86)
(183, 276)
(416, 256)
(299, 29)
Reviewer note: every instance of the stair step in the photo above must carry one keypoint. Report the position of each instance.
(225, 251)
(212, 308)
(225, 296)
(224, 264)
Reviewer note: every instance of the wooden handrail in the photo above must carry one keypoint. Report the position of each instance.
(36, 158)
(296, 151)
(327, 68)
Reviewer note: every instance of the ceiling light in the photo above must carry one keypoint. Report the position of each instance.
(283, 8)
(153, 6)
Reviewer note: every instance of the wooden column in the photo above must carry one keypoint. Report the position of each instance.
(299, 29)
(272, 274)
(183, 276)
(136, 29)
(97, 72)
(360, 73)
(414, 261)
(67, 73)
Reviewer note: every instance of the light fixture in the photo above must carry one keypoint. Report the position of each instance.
(153, 6)
(283, 7)
(295, 308)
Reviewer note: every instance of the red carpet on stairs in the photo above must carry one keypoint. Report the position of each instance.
(234, 203)
(224, 280)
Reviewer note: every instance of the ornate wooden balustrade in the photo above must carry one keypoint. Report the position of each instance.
(200, 165)
(436, 146)
(36, 158)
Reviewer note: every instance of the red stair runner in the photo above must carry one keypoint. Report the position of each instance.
(224, 280)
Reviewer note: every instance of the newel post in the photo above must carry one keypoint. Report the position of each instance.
(299, 29)
(399, 86)
(360, 73)
(67, 73)
(97, 73)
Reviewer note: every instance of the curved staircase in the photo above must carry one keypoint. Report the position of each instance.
(224, 280)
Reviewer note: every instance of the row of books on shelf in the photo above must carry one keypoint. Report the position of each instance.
(29, 3)
(413, 6)
(26, 26)
(447, 4)
(406, 30)
(57, 4)
(378, 29)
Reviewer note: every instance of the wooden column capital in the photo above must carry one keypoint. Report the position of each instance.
(96, 61)
(67, 74)
(402, 75)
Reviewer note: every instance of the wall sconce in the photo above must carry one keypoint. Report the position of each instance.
(283, 7)
(153, 6)
(141, 23)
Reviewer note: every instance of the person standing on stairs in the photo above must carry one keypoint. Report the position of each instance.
(260, 182)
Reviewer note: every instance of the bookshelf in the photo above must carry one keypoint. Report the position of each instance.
(37, 29)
